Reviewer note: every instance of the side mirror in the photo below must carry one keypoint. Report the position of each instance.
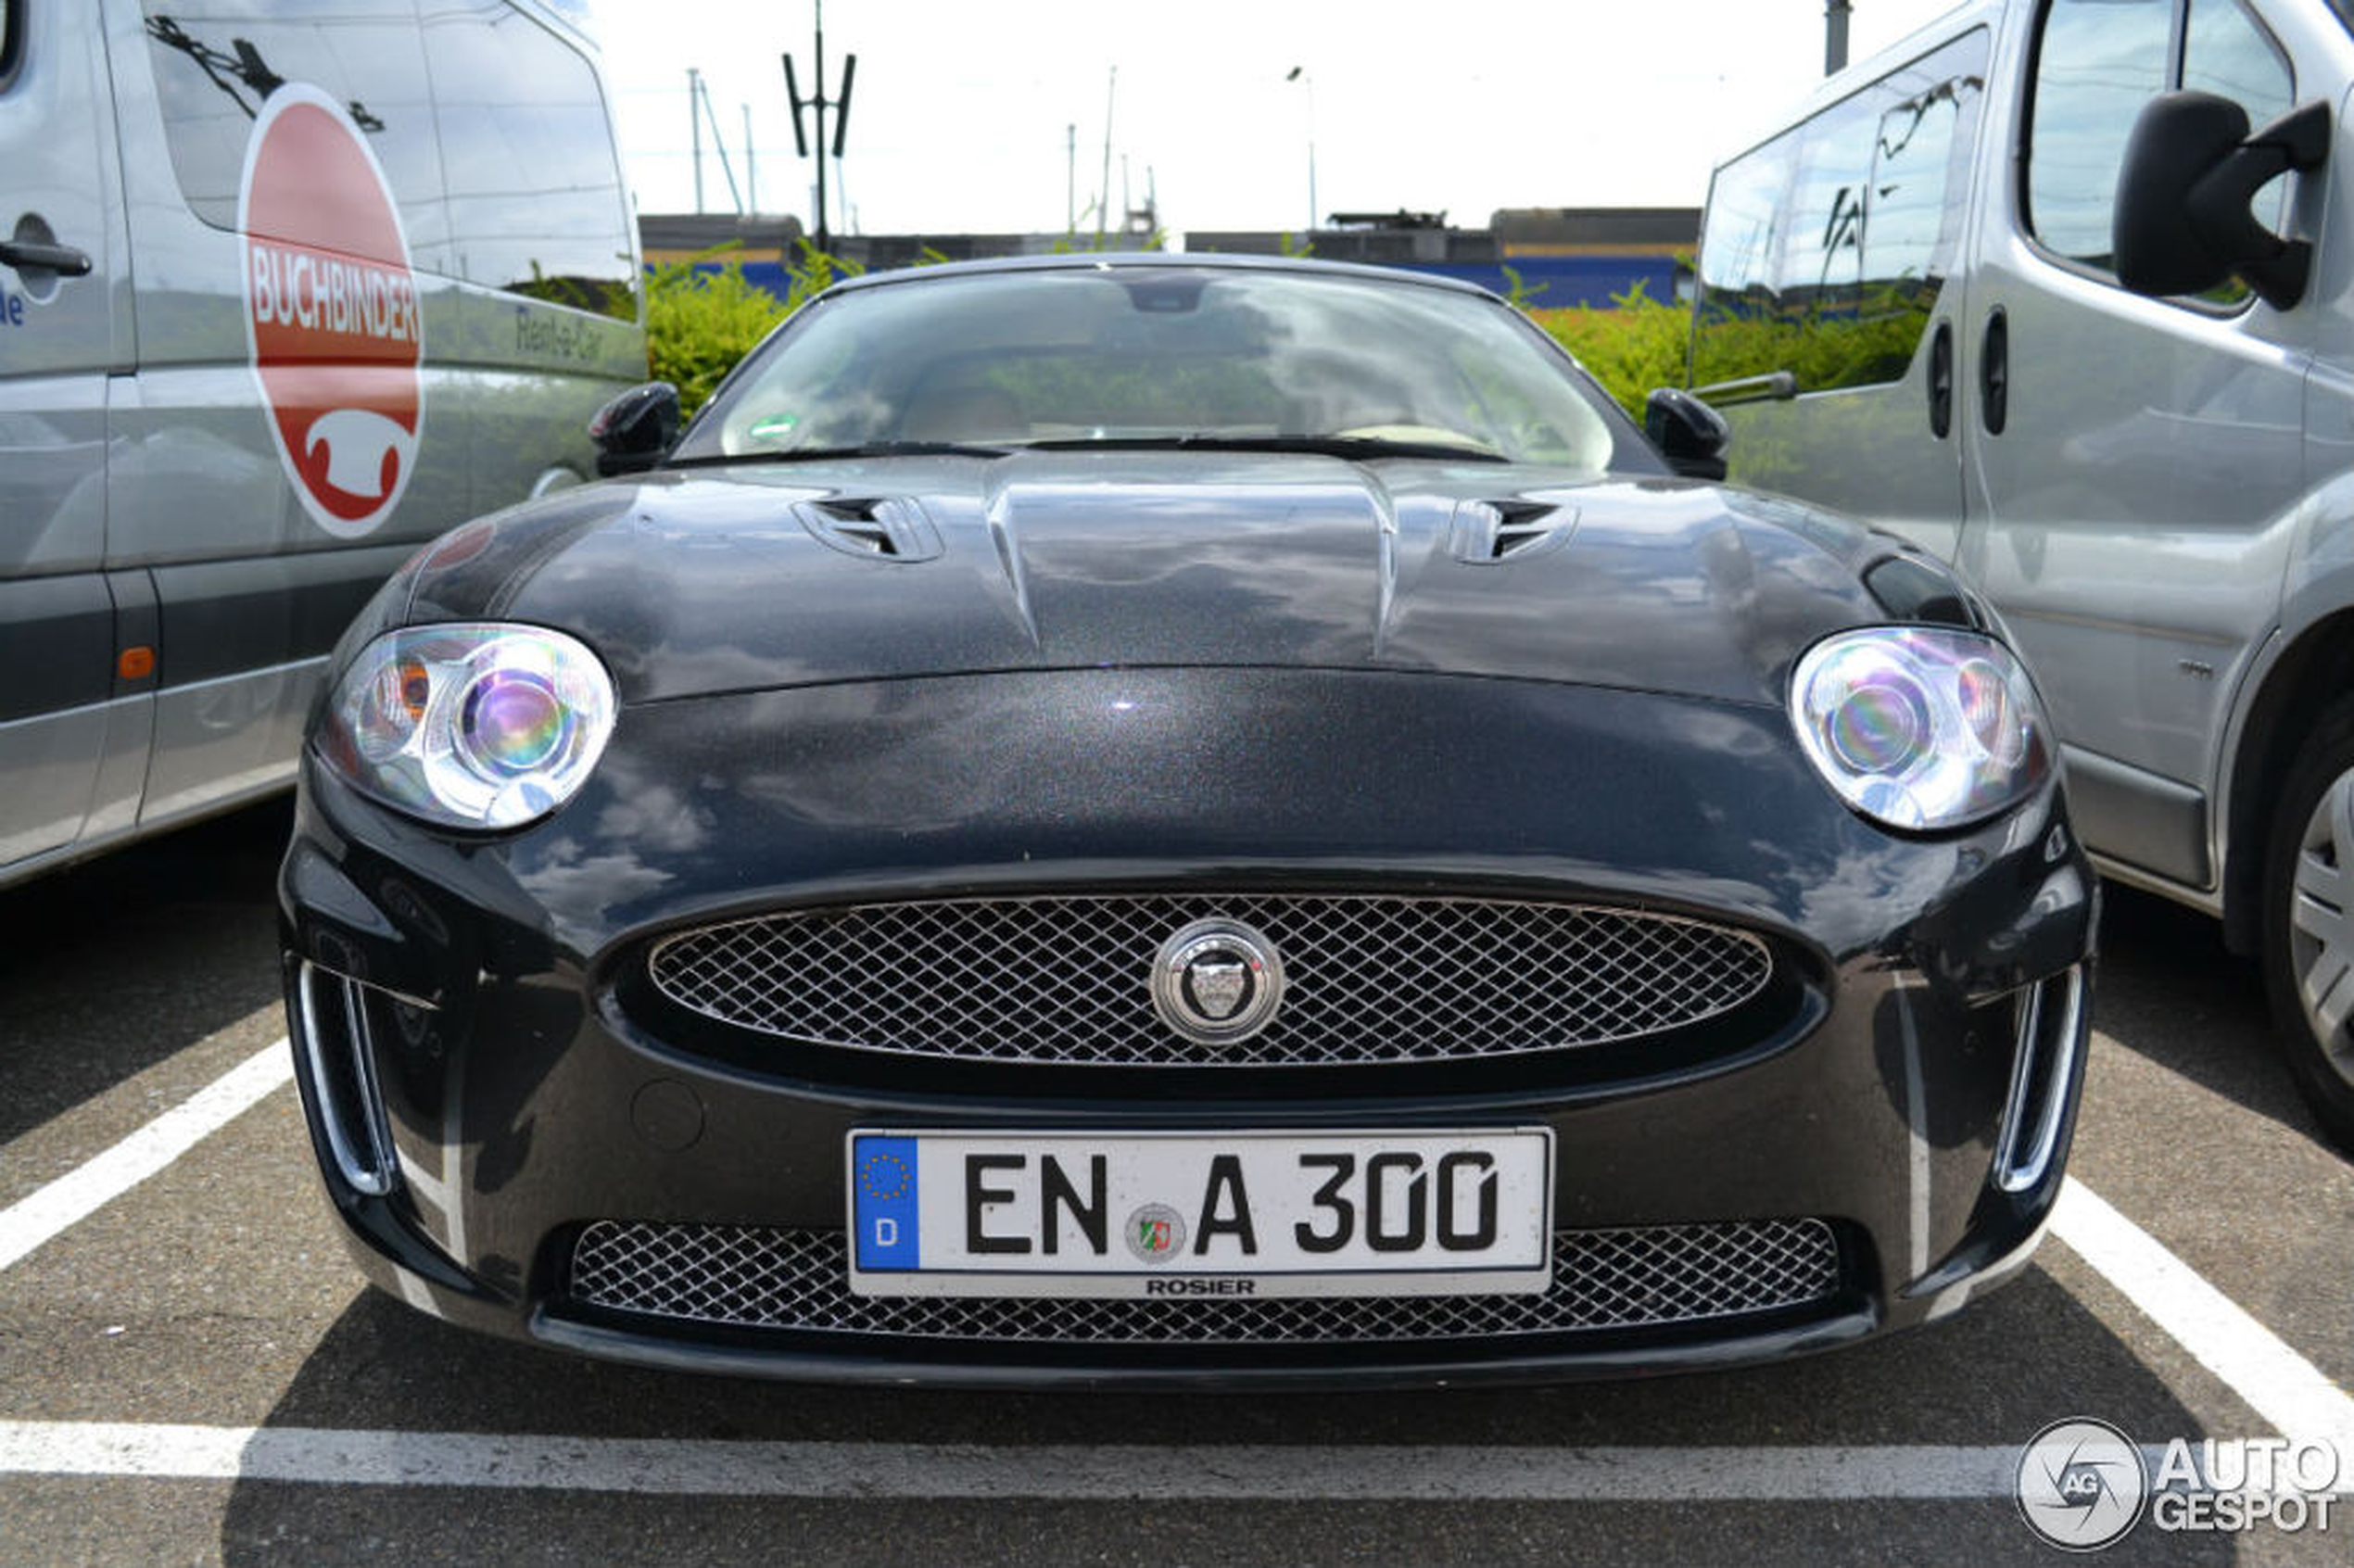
(634, 430)
(1689, 433)
(2185, 220)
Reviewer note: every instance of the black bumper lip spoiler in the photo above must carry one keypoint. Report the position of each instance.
(965, 1364)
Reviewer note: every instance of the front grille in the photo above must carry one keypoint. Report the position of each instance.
(799, 1280)
(1066, 979)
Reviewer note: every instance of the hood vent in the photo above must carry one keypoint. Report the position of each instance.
(880, 527)
(1489, 533)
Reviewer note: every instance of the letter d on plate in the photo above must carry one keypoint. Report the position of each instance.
(882, 1174)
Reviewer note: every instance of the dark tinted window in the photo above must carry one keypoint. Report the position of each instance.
(536, 203)
(1826, 248)
(216, 61)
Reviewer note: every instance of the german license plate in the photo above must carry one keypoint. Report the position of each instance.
(1201, 1214)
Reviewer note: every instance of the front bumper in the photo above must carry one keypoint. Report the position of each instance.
(524, 1093)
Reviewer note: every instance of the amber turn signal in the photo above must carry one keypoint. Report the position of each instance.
(134, 664)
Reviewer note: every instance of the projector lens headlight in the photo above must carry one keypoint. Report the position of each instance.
(475, 725)
(1921, 727)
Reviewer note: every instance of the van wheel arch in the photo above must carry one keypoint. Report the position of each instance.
(2316, 669)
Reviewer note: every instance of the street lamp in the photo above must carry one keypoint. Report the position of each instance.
(1299, 74)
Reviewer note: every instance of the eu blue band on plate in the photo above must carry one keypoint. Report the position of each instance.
(883, 1173)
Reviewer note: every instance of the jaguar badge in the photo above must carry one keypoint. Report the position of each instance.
(1217, 982)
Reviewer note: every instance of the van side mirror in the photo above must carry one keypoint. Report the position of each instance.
(634, 430)
(1690, 435)
(2185, 218)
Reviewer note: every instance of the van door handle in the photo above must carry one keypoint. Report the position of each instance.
(1995, 373)
(30, 256)
(1940, 380)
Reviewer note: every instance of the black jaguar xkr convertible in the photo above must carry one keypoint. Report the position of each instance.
(1141, 819)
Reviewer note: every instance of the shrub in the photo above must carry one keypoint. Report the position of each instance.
(1630, 348)
(700, 320)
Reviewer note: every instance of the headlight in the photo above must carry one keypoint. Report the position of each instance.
(472, 725)
(1921, 727)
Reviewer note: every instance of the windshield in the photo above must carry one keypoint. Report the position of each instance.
(1133, 354)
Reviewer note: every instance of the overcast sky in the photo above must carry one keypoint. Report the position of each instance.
(959, 115)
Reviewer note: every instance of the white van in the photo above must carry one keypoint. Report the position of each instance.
(1910, 307)
(286, 289)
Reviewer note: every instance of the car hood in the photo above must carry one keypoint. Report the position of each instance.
(754, 577)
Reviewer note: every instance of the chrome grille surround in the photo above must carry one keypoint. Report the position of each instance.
(795, 1280)
(1064, 979)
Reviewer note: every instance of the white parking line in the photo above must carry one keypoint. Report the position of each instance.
(97, 1181)
(2277, 1383)
(1096, 1472)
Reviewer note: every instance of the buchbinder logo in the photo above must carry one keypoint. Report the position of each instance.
(331, 310)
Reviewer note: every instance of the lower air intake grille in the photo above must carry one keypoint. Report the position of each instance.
(798, 1279)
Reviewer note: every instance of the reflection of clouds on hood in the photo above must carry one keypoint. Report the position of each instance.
(1861, 889)
(974, 759)
(578, 886)
(654, 815)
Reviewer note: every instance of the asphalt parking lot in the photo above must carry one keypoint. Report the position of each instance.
(190, 1372)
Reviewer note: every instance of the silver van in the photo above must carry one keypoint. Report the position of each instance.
(1910, 306)
(287, 288)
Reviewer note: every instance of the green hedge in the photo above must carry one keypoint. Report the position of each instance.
(699, 323)
(1631, 347)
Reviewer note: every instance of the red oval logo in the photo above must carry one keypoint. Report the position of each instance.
(331, 310)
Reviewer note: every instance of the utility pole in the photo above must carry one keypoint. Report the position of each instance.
(1299, 74)
(1103, 203)
(1071, 177)
(1834, 36)
(819, 104)
(719, 146)
(694, 124)
(752, 185)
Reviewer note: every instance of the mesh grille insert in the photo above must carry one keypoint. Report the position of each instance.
(798, 1279)
(1066, 979)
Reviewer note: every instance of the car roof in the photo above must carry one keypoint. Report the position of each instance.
(1164, 260)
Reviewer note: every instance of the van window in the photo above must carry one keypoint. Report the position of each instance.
(536, 204)
(1744, 207)
(1822, 258)
(2224, 52)
(215, 61)
(2096, 63)
(1826, 248)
